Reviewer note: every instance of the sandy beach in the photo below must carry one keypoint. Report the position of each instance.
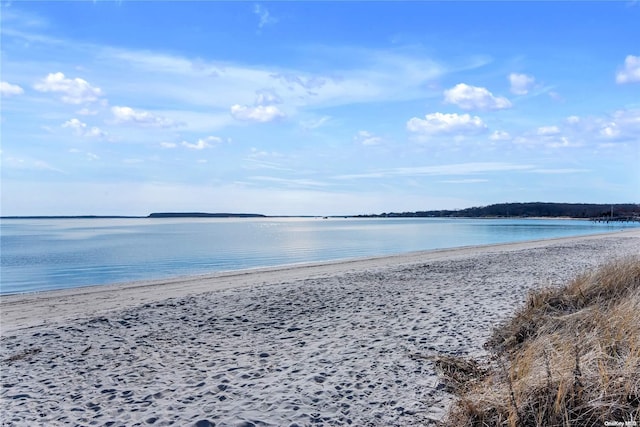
(340, 343)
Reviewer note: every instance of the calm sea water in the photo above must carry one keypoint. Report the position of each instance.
(49, 254)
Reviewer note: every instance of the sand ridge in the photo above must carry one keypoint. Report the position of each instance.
(332, 344)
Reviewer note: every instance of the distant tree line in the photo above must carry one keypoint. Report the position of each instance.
(524, 210)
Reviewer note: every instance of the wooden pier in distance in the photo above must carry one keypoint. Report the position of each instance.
(633, 218)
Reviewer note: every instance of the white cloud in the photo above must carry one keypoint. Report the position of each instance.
(308, 83)
(500, 135)
(7, 89)
(463, 168)
(264, 15)
(555, 96)
(74, 91)
(290, 182)
(262, 110)
(261, 159)
(631, 71)
(88, 155)
(621, 125)
(628, 117)
(557, 141)
(95, 132)
(267, 97)
(151, 61)
(81, 129)
(131, 161)
(86, 112)
(314, 123)
(258, 113)
(474, 98)
(367, 138)
(203, 143)
(127, 115)
(441, 123)
(443, 170)
(548, 130)
(520, 83)
(168, 145)
(74, 124)
(364, 75)
(551, 137)
(610, 130)
(559, 171)
(464, 181)
(28, 163)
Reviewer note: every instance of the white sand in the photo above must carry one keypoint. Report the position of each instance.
(323, 344)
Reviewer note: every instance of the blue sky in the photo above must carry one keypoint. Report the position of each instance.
(316, 108)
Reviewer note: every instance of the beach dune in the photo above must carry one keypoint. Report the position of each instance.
(319, 344)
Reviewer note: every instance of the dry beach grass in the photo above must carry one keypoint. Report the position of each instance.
(570, 356)
(331, 344)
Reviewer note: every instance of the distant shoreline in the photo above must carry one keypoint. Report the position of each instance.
(249, 216)
(533, 210)
(252, 216)
(259, 216)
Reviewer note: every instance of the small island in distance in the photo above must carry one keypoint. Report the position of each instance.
(203, 215)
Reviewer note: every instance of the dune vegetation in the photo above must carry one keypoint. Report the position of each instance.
(570, 356)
